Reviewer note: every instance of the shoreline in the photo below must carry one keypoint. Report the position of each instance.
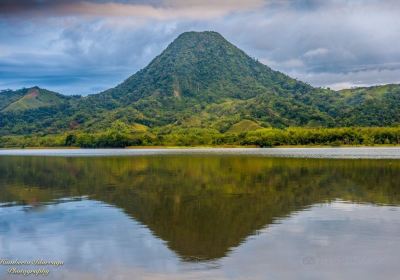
(202, 147)
(382, 152)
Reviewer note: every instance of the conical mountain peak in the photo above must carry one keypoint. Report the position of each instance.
(202, 65)
(199, 35)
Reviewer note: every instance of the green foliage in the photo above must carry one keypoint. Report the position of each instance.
(122, 135)
(244, 126)
(323, 136)
(8, 96)
(70, 140)
(36, 98)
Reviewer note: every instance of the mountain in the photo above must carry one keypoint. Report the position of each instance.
(202, 78)
(200, 81)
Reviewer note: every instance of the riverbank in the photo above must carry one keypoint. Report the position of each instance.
(328, 153)
(184, 137)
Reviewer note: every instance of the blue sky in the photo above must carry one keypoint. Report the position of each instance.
(82, 47)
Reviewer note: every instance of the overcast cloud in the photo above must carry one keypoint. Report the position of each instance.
(81, 47)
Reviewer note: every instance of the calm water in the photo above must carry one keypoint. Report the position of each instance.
(201, 216)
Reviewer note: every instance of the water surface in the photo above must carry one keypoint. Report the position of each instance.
(326, 152)
(202, 216)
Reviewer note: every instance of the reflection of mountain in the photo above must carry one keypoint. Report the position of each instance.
(201, 206)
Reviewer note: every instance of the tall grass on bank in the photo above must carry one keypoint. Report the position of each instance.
(266, 137)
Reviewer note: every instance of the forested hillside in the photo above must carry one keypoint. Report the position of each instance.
(200, 82)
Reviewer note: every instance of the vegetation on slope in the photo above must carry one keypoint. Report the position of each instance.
(36, 98)
(243, 126)
(200, 86)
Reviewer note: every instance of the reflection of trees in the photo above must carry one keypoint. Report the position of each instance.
(201, 206)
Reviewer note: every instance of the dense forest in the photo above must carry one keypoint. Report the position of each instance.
(202, 90)
(120, 135)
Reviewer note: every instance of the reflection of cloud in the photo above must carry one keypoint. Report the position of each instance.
(80, 234)
(343, 205)
(321, 238)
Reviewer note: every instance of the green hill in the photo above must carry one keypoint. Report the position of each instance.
(35, 110)
(9, 96)
(370, 106)
(200, 81)
(35, 98)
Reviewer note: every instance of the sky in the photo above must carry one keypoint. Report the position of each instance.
(84, 47)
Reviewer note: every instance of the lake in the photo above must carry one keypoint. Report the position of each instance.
(201, 214)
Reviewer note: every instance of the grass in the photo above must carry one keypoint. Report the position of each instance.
(244, 126)
(35, 98)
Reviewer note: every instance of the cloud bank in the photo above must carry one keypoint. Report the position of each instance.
(81, 47)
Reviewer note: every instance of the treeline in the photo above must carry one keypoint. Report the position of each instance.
(119, 135)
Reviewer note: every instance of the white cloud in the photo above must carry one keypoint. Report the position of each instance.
(286, 64)
(316, 52)
(160, 10)
(338, 81)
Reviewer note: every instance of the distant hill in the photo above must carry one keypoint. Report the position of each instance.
(34, 98)
(201, 81)
(35, 110)
(369, 106)
(9, 96)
